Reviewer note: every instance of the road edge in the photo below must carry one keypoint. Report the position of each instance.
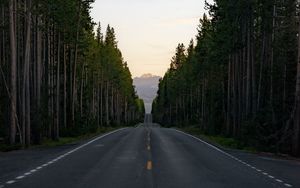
(61, 156)
(263, 173)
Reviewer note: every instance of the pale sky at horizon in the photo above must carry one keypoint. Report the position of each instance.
(148, 31)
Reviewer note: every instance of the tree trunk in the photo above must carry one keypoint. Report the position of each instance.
(47, 72)
(248, 90)
(125, 111)
(26, 74)
(261, 70)
(70, 93)
(170, 115)
(296, 115)
(234, 92)
(112, 104)
(56, 133)
(38, 74)
(272, 65)
(81, 90)
(97, 114)
(65, 87)
(13, 86)
(228, 127)
(203, 110)
(75, 64)
(101, 99)
(253, 71)
(106, 104)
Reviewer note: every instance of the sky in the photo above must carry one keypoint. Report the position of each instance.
(148, 31)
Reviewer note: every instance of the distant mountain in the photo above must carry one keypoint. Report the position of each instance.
(146, 87)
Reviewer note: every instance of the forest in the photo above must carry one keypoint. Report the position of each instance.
(241, 77)
(59, 76)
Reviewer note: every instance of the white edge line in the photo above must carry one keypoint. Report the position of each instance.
(20, 177)
(212, 146)
(138, 125)
(61, 156)
(10, 182)
(231, 156)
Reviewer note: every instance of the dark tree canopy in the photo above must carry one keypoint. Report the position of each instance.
(239, 79)
(59, 78)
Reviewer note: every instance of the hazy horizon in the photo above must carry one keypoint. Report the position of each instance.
(146, 87)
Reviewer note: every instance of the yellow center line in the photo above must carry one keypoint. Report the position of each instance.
(149, 165)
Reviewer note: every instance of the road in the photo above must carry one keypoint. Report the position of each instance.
(146, 156)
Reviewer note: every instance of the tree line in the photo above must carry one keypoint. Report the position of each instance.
(59, 77)
(242, 77)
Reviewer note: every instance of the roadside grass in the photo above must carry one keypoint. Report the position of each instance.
(70, 140)
(218, 140)
(7, 148)
(48, 143)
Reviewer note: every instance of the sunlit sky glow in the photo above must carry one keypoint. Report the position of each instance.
(148, 31)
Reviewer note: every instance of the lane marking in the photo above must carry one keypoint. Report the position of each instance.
(148, 139)
(149, 165)
(214, 147)
(10, 182)
(148, 135)
(236, 159)
(20, 177)
(60, 157)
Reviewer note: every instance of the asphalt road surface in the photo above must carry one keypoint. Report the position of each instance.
(144, 157)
